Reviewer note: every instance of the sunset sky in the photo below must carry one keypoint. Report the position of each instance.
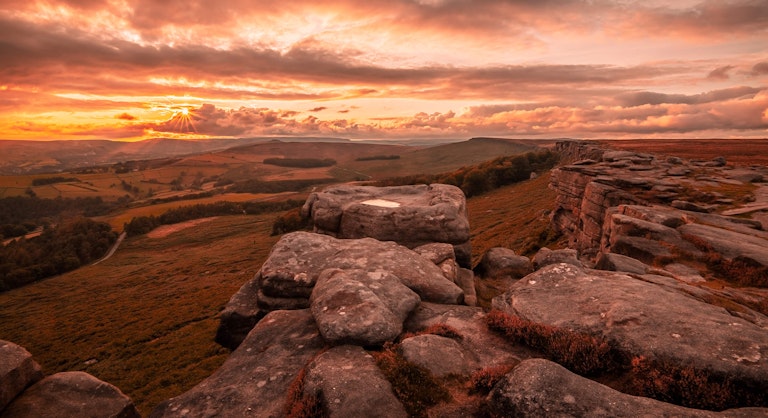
(376, 69)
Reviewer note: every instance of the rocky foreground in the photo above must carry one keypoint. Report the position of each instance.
(662, 294)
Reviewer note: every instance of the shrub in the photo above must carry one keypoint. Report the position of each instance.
(483, 381)
(289, 222)
(579, 352)
(414, 386)
(443, 330)
(739, 270)
(693, 388)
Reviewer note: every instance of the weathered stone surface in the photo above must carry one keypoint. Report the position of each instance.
(545, 257)
(503, 263)
(254, 380)
(299, 257)
(618, 262)
(361, 307)
(440, 355)
(240, 315)
(349, 384)
(539, 387)
(642, 318)
(482, 347)
(71, 394)
(730, 244)
(409, 215)
(17, 371)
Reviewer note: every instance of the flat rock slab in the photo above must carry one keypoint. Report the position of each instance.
(348, 383)
(254, 380)
(539, 388)
(642, 318)
(17, 371)
(72, 394)
(408, 215)
(298, 258)
(361, 307)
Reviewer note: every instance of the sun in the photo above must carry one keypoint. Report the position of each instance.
(183, 120)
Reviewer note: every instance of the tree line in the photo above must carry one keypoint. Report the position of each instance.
(72, 244)
(487, 176)
(301, 162)
(142, 224)
(28, 213)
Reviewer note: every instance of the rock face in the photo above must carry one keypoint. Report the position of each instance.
(287, 278)
(349, 384)
(17, 371)
(361, 307)
(72, 394)
(539, 387)
(254, 380)
(643, 318)
(409, 215)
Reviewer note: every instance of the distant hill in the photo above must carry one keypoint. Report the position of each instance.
(32, 157)
(445, 157)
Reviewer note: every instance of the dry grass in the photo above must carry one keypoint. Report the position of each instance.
(512, 217)
(118, 219)
(148, 315)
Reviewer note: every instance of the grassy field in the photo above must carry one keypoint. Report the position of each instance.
(144, 320)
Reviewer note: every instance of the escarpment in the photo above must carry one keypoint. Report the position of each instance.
(661, 292)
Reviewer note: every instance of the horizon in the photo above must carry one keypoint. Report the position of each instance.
(394, 70)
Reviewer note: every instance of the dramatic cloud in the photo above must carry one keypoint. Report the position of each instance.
(129, 68)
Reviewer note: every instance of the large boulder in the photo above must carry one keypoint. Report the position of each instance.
(348, 383)
(538, 388)
(298, 258)
(361, 307)
(409, 215)
(289, 274)
(642, 318)
(72, 394)
(255, 379)
(17, 371)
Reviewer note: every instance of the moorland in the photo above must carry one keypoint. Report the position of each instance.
(203, 220)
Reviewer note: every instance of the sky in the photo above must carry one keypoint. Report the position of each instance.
(383, 69)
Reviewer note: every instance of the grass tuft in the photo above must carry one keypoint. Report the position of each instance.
(413, 385)
(483, 381)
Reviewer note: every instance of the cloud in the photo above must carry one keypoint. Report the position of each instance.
(760, 68)
(653, 98)
(125, 116)
(318, 109)
(721, 73)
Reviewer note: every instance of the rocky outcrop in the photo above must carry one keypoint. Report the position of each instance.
(440, 355)
(643, 318)
(539, 387)
(288, 276)
(17, 371)
(71, 394)
(409, 215)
